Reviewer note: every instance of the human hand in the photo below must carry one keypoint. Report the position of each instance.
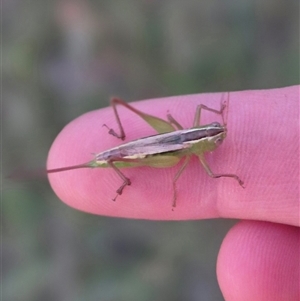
(262, 147)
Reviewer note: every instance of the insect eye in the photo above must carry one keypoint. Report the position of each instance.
(216, 124)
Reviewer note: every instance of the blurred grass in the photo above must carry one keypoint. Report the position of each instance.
(63, 58)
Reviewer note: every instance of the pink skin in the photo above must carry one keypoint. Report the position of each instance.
(259, 261)
(262, 148)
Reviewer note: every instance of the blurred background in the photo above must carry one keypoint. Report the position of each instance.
(61, 59)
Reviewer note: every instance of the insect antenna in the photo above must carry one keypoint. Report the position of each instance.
(89, 164)
(224, 109)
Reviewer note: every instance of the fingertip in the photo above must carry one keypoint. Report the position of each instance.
(259, 261)
(199, 196)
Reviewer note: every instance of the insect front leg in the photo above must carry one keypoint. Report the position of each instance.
(179, 172)
(126, 181)
(203, 107)
(213, 175)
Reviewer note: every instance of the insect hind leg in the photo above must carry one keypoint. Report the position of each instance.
(173, 121)
(126, 181)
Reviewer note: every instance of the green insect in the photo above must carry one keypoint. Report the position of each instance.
(173, 144)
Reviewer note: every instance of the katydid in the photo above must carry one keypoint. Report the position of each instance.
(170, 146)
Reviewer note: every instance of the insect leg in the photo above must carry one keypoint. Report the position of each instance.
(126, 181)
(198, 113)
(174, 122)
(160, 125)
(211, 174)
(179, 172)
(113, 103)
